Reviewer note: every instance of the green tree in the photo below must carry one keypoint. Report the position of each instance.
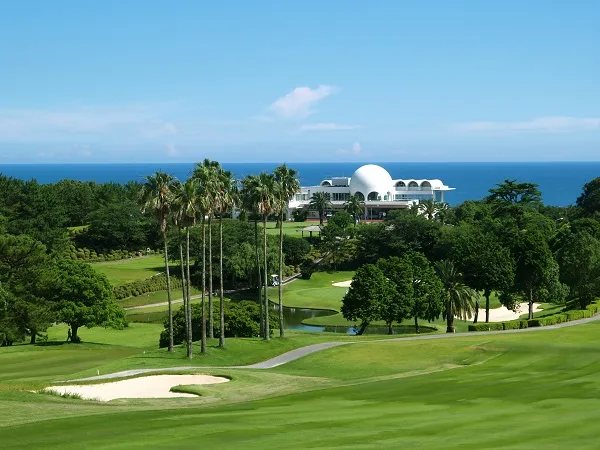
(207, 174)
(399, 306)
(226, 198)
(321, 203)
(355, 207)
(250, 196)
(155, 196)
(512, 199)
(369, 290)
(458, 297)
(267, 196)
(537, 272)
(427, 289)
(185, 208)
(589, 200)
(486, 264)
(84, 297)
(23, 265)
(117, 226)
(579, 262)
(295, 250)
(287, 185)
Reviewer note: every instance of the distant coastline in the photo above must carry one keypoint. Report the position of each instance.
(560, 182)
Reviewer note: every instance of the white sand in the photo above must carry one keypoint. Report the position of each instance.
(501, 314)
(343, 283)
(155, 386)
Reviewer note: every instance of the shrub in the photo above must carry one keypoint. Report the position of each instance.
(300, 215)
(511, 325)
(491, 326)
(241, 320)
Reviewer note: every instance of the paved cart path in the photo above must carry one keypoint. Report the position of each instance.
(304, 351)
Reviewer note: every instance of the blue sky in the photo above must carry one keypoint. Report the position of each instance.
(445, 80)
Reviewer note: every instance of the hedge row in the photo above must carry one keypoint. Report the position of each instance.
(90, 255)
(140, 287)
(554, 319)
(497, 326)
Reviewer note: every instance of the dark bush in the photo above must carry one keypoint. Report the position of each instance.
(241, 320)
(295, 250)
(300, 215)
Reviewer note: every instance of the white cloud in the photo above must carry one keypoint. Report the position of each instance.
(328, 127)
(42, 125)
(354, 150)
(300, 102)
(541, 124)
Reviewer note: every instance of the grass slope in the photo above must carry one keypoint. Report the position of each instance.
(522, 391)
(128, 270)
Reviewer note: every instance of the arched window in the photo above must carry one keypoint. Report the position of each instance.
(374, 196)
(325, 183)
(413, 184)
(426, 184)
(360, 196)
(400, 184)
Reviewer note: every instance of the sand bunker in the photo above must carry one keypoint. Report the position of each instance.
(155, 386)
(343, 283)
(502, 314)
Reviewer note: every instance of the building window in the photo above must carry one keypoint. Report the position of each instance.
(360, 196)
(400, 184)
(325, 183)
(426, 184)
(374, 196)
(413, 184)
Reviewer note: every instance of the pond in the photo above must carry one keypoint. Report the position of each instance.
(293, 317)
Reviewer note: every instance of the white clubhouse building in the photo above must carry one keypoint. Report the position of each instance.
(375, 187)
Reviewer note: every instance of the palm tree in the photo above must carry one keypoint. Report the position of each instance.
(287, 186)
(459, 298)
(186, 204)
(355, 207)
(267, 195)
(428, 208)
(177, 218)
(225, 201)
(442, 210)
(249, 197)
(320, 202)
(156, 196)
(208, 172)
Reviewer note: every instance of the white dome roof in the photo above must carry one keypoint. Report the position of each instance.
(371, 178)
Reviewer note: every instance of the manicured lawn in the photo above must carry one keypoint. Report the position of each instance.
(291, 228)
(128, 270)
(155, 297)
(318, 292)
(521, 391)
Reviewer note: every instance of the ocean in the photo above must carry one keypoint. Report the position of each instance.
(560, 182)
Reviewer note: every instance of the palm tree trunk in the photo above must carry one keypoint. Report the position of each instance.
(211, 333)
(530, 316)
(188, 306)
(185, 292)
(281, 333)
(449, 318)
(259, 277)
(203, 346)
(168, 293)
(487, 306)
(221, 301)
(267, 330)
(476, 311)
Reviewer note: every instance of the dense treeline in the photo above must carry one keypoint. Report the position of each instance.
(508, 242)
(430, 259)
